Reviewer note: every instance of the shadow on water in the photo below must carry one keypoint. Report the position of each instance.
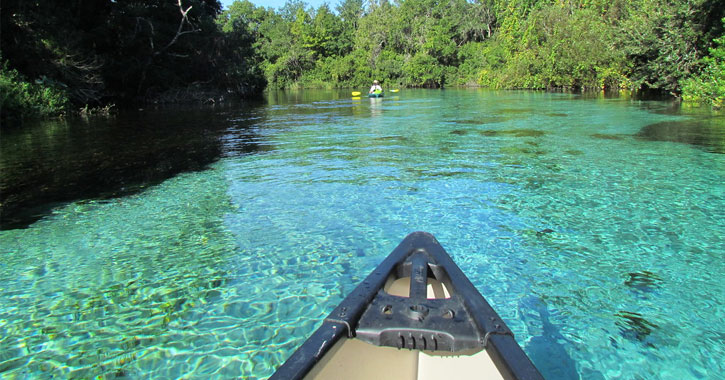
(50, 163)
(706, 133)
(547, 350)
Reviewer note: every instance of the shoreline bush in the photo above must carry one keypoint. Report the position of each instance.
(709, 86)
(21, 99)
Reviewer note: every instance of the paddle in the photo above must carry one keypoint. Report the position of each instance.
(357, 93)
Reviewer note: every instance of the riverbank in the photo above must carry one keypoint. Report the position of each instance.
(35, 103)
(57, 59)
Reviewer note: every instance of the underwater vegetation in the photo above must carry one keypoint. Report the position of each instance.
(514, 132)
(634, 327)
(603, 136)
(643, 281)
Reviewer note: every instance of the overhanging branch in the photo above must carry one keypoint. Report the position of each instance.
(180, 30)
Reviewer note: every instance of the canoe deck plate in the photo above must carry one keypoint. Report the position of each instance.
(417, 322)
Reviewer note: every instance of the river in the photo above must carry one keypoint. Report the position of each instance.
(206, 242)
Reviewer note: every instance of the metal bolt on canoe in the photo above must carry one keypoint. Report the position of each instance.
(416, 316)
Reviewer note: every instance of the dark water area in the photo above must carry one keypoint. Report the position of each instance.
(706, 133)
(52, 162)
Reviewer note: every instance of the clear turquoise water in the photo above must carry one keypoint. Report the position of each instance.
(601, 249)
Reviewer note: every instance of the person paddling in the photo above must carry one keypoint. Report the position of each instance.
(375, 88)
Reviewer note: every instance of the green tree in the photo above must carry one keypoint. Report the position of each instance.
(709, 86)
(21, 99)
(572, 49)
(664, 41)
(373, 32)
(102, 51)
(423, 70)
(323, 35)
(160, 44)
(477, 21)
(61, 41)
(350, 11)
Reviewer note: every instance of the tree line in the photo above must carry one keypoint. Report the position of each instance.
(60, 54)
(528, 44)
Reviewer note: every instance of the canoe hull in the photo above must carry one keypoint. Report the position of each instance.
(438, 313)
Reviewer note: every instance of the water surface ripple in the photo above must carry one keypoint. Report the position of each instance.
(599, 244)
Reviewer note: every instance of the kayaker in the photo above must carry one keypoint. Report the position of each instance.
(376, 87)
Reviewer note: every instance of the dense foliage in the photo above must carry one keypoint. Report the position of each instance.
(58, 53)
(25, 99)
(94, 52)
(633, 44)
(709, 86)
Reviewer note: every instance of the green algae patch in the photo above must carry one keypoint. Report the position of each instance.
(459, 132)
(516, 111)
(521, 150)
(513, 132)
(482, 120)
(603, 136)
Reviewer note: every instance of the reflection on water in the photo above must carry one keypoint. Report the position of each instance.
(376, 108)
(603, 255)
(51, 162)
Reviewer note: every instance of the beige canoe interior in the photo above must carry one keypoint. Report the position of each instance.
(351, 359)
